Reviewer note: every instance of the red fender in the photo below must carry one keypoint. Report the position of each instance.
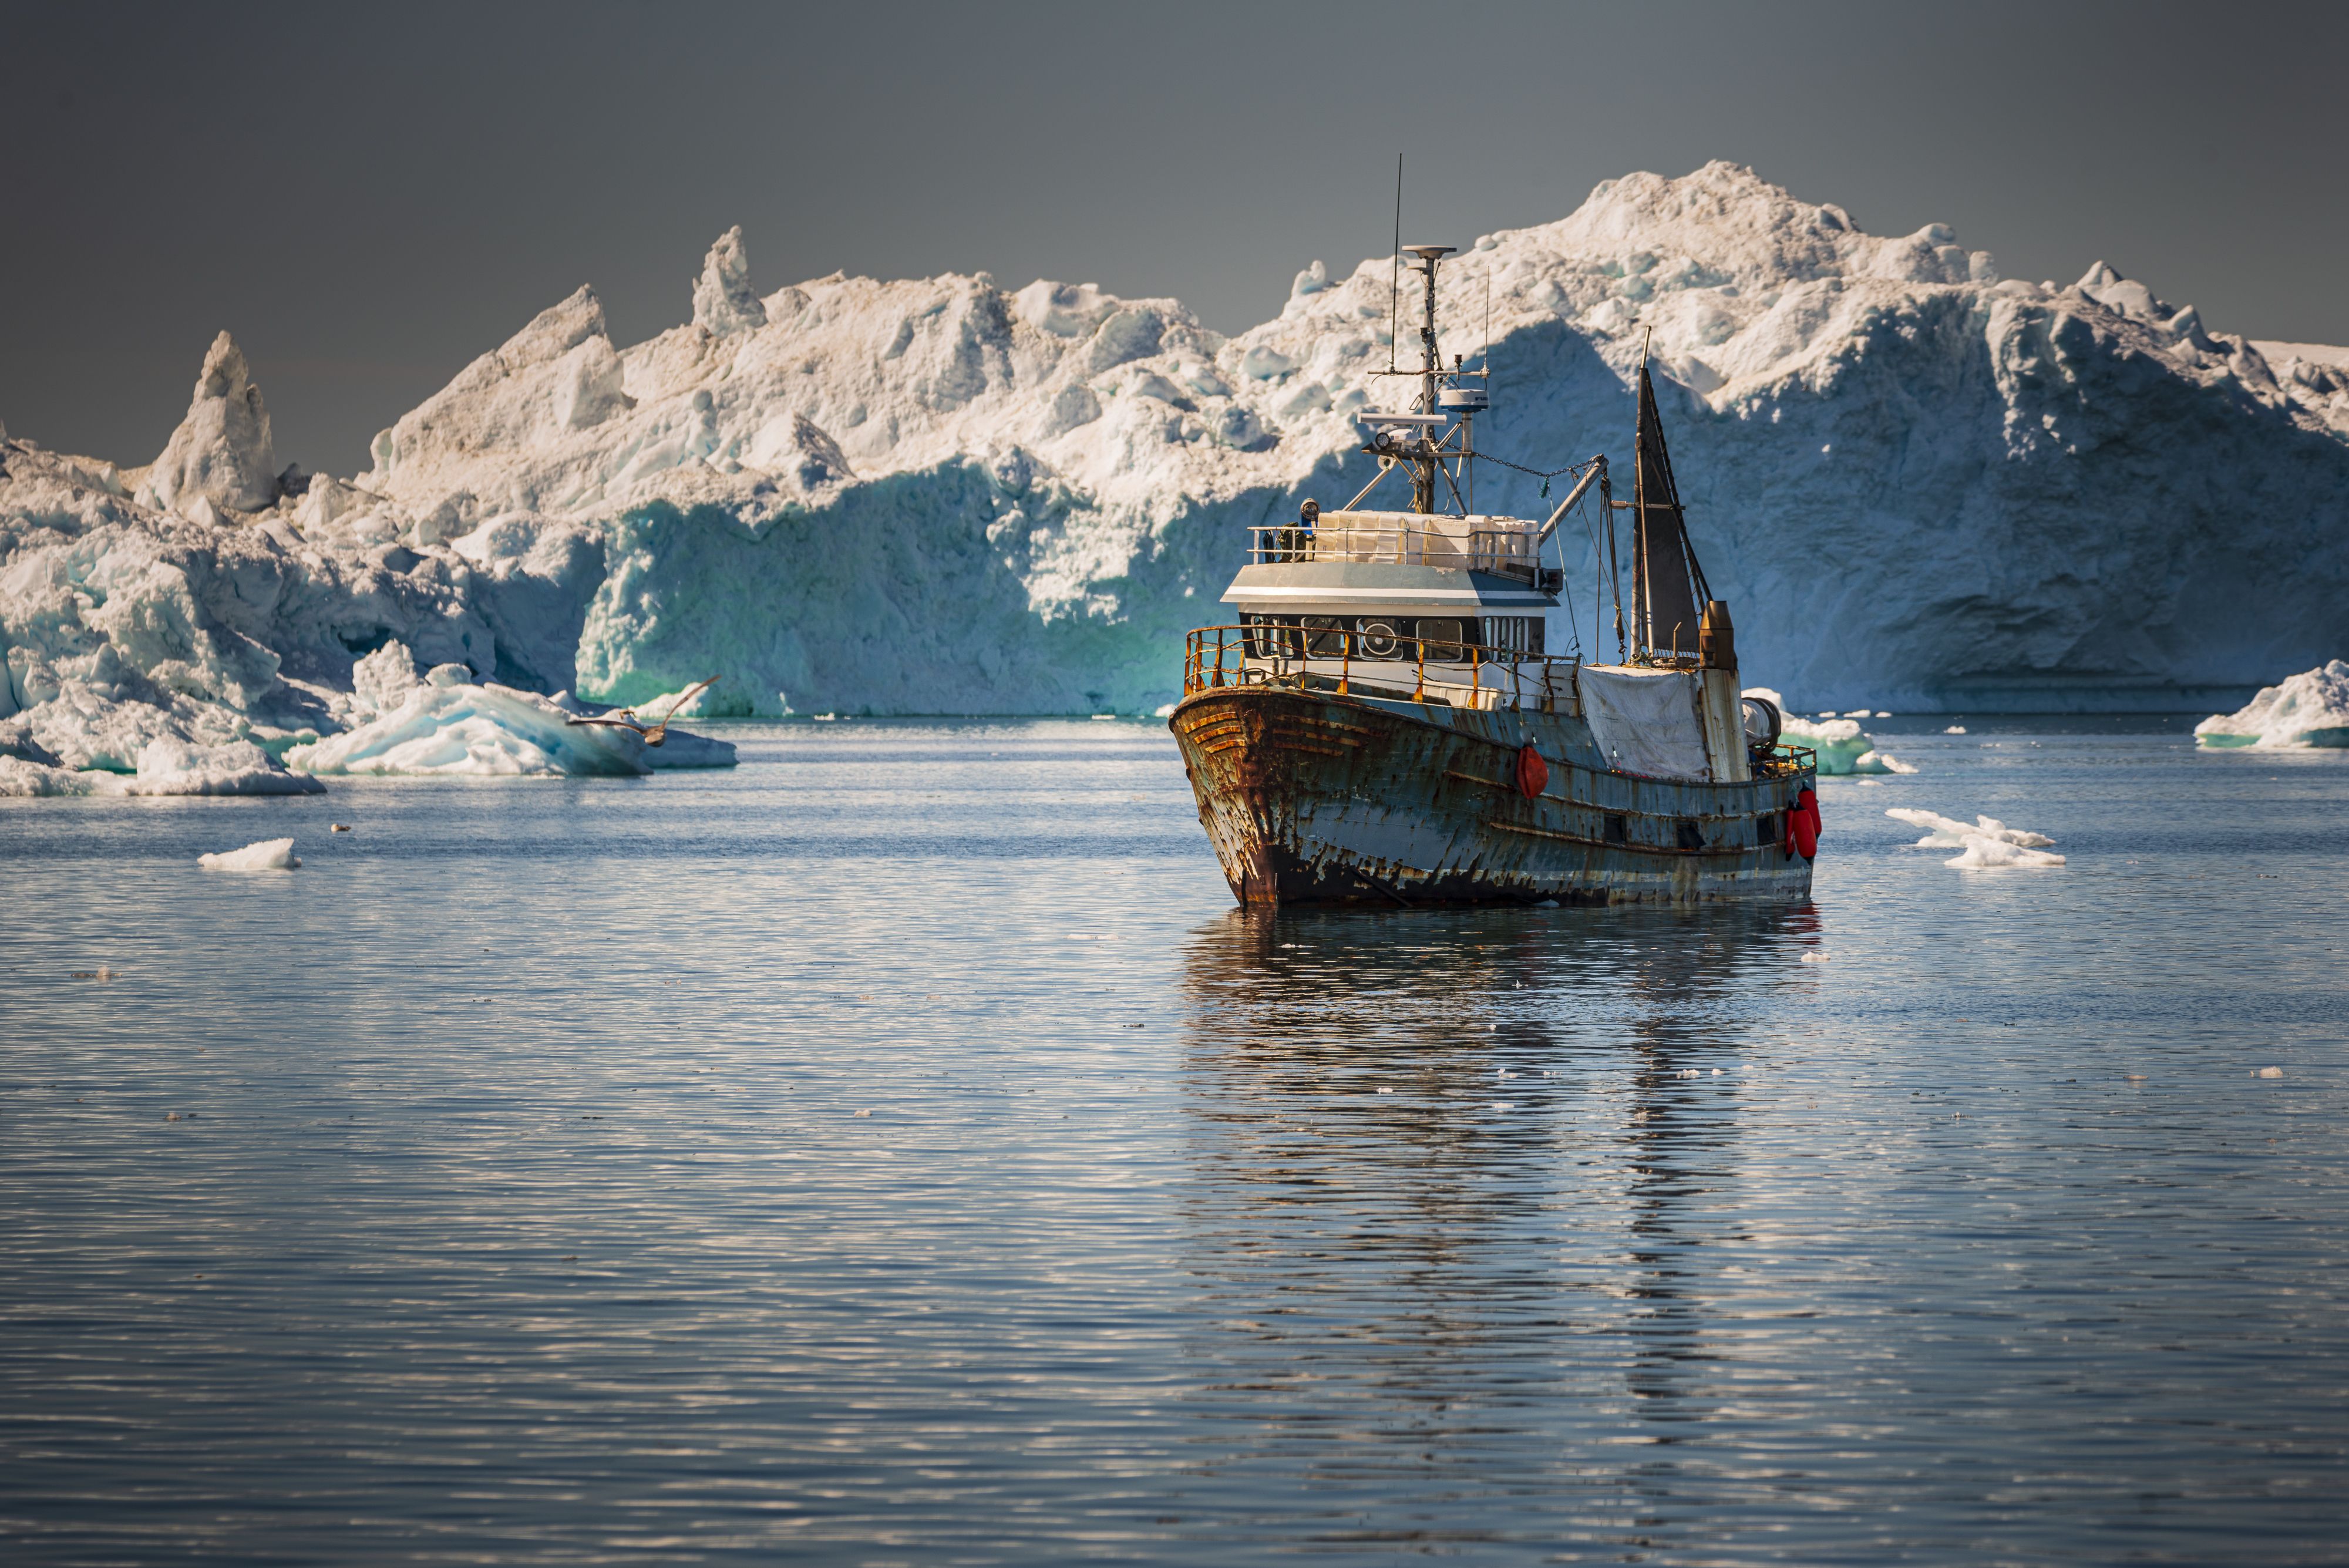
(1802, 825)
(1533, 774)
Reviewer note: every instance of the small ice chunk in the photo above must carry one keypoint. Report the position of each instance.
(1947, 833)
(2269, 1072)
(1988, 843)
(1995, 855)
(1814, 958)
(269, 854)
(1955, 730)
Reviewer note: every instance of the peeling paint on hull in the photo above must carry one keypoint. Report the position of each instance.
(1318, 798)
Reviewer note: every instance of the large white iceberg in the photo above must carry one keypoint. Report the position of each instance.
(2311, 708)
(942, 495)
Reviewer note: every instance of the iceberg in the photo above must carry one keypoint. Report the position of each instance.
(488, 731)
(448, 724)
(269, 854)
(2307, 709)
(927, 495)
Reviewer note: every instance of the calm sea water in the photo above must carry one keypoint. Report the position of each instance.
(898, 1150)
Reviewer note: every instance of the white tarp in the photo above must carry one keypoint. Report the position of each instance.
(1647, 720)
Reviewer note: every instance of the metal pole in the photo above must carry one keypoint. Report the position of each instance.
(1567, 504)
(1614, 572)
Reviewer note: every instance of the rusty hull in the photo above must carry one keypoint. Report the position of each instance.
(1322, 798)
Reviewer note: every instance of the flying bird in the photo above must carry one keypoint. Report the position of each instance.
(625, 719)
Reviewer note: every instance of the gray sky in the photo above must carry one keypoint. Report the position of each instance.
(369, 197)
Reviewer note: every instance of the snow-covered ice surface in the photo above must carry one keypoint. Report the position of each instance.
(1988, 843)
(487, 731)
(2311, 708)
(943, 496)
(445, 723)
(269, 854)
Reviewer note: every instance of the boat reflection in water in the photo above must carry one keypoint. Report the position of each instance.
(1464, 1202)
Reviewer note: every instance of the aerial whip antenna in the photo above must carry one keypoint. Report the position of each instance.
(1394, 273)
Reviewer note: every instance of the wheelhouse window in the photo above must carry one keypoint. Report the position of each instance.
(1446, 638)
(1513, 636)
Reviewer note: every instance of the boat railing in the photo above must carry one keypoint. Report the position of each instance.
(1343, 659)
(1784, 761)
(1508, 546)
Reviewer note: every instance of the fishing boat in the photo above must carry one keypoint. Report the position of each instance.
(1380, 722)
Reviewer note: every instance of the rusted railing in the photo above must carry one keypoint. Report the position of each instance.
(1343, 659)
(1784, 762)
(1450, 542)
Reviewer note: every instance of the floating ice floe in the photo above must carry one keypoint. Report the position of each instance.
(2307, 709)
(239, 767)
(1841, 746)
(486, 731)
(269, 854)
(21, 778)
(1948, 833)
(1988, 843)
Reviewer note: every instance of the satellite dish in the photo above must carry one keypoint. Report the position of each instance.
(1463, 399)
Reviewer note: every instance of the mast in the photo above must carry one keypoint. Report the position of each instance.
(1425, 460)
(1668, 586)
(1420, 441)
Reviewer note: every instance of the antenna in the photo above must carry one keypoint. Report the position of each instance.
(1394, 273)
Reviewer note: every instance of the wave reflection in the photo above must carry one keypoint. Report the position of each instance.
(1459, 1188)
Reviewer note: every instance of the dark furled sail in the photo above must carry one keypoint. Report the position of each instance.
(1668, 586)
